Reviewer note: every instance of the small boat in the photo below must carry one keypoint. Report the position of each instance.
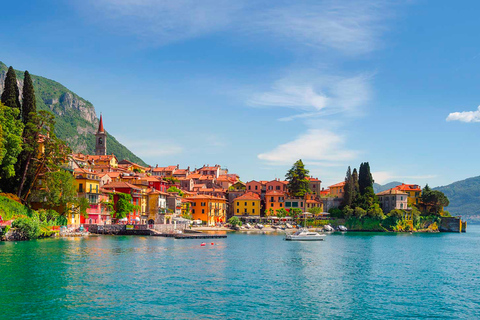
(342, 228)
(248, 226)
(288, 225)
(328, 228)
(260, 226)
(305, 235)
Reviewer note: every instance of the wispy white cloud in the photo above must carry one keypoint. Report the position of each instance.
(315, 146)
(316, 95)
(465, 116)
(351, 27)
(386, 176)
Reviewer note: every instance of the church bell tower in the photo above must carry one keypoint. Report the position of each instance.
(101, 140)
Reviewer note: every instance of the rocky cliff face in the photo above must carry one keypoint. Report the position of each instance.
(77, 120)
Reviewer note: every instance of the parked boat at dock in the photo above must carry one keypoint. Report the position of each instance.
(305, 235)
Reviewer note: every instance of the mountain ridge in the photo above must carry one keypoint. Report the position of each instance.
(76, 118)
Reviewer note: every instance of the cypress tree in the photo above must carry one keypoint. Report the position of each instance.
(365, 178)
(348, 189)
(29, 103)
(10, 96)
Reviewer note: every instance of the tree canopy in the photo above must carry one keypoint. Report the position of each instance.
(11, 95)
(298, 184)
(29, 104)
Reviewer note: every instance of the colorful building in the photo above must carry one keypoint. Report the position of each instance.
(274, 200)
(127, 188)
(248, 204)
(337, 190)
(211, 210)
(414, 192)
(392, 199)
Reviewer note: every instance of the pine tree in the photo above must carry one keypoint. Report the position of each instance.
(10, 96)
(29, 103)
(348, 189)
(297, 180)
(356, 196)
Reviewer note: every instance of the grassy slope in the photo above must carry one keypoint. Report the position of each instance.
(68, 122)
(10, 209)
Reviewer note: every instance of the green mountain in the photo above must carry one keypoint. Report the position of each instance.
(464, 198)
(379, 188)
(76, 119)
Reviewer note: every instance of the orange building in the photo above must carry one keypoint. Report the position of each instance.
(337, 189)
(211, 210)
(414, 192)
(274, 200)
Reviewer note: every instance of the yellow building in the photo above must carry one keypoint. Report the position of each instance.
(413, 191)
(100, 160)
(247, 205)
(211, 210)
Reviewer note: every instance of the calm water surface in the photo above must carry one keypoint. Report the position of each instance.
(348, 276)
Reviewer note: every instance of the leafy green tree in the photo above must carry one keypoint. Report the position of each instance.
(281, 213)
(58, 192)
(294, 213)
(29, 104)
(434, 200)
(348, 189)
(359, 212)
(336, 213)
(10, 143)
(315, 210)
(234, 221)
(176, 190)
(124, 205)
(348, 212)
(298, 184)
(35, 161)
(11, 95)
(375, 212)
(365, 178)
(83, 205)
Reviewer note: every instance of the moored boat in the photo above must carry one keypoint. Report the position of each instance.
(305, 235)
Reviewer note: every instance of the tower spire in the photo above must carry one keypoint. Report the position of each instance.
(100, 126)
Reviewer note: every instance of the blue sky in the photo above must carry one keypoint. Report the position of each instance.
(255, 85)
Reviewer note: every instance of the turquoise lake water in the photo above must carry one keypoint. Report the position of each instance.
(347, 276)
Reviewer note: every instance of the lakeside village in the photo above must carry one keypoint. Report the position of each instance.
(49, 190)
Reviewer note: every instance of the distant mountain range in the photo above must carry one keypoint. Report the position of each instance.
(76, 118)
(379, 188)
(464, 196)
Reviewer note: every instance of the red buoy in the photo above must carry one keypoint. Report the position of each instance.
(203, 244)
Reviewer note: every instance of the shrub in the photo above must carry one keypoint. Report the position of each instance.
(234, 221)
(336, 213)
(29, 227)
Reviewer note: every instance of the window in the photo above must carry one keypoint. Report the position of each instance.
(238, 203)
(271, 204)
(401, 205)
(96, 188)
(256, 187)
(295, 204)
(277, 188)
(301, 204)
(203, 210)
(401, 198)
(193, 211)
(270, 187)
(245, 204)
(281, 205)
(271, 199)
(80, 187)
(238, 210)
(253, 203)
(288, 204)
(253, 210)
(90, 188)
(245, 210)
(249, 187)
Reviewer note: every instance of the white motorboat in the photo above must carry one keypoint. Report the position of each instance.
(328, 228)
(305, 235)
(260, 226)
(342, 228)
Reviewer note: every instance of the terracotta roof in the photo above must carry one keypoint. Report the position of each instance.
(161, 169)
(313, 179)
(408, 187)
(120, 184)
(391, 191)
(249, 196)
(204, 196)
(340, 184)
(312, 201)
